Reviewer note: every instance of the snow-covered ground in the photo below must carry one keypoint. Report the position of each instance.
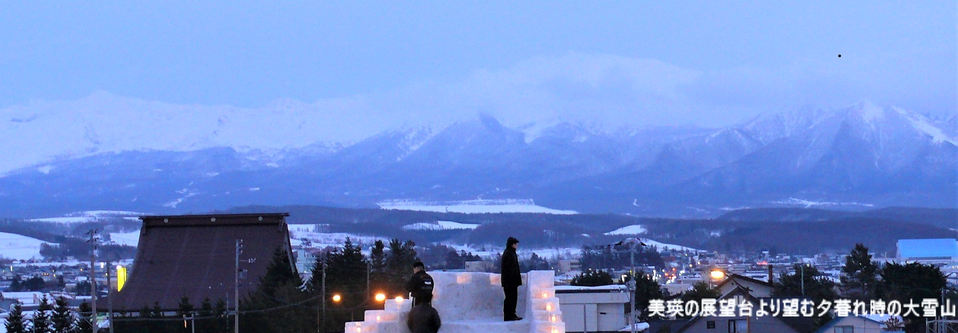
(92, 216)
(628, 230)
(13, 246)
(298, 232)
(441, 225)
(127, 238)
(663, 246)
(474, 206)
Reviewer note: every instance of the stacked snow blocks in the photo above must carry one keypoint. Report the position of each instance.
(472, 302)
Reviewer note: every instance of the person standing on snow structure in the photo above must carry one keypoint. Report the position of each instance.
(511, 280)
(420, 285)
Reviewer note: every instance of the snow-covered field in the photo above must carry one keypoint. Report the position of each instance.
(628, 230)
(474, 206)
(298, 232)
(127, 238)
(441, 225)
(662, 246)
(92, 216)
(13, 246)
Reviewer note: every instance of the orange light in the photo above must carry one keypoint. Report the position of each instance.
(399, 299)
(549, 307)
(337, 298)
(553, 318)
(545, 295)
(378, 319)
(380, 297)
(717, 274)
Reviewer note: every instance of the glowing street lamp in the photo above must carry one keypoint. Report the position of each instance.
(380, 297)
(717, 274)
(337, 298)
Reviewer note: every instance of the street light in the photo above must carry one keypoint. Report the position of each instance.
(380, 297)
(337, 298)
(717, 274)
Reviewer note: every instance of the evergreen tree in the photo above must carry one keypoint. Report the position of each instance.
(62, 317)
(16, 285)
(699, 291)
(83, 319)
(159, 325)
(592, 278)
(185, 310)
(399, 264)
(377, 258)
(205, 313)
(346, 276)
(222, 323)
(378, 277)
(15, 323)
(41, 317)
(807, 282)
(908, 282)
(859, 277)
(275, 304)
(646, 289)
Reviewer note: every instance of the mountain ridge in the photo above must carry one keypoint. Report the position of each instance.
(858, 156)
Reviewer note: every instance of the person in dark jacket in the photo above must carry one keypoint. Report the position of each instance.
(420, 285)
(511, 279)
(423, 318)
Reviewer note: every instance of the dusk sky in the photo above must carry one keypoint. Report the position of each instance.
(643, 62)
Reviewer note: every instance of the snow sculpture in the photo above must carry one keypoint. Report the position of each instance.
(472, 302)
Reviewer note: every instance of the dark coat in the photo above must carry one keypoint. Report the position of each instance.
(511, 277)
(423, 318)
(420, 284)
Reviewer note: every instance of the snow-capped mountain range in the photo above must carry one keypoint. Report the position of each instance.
(109, 152)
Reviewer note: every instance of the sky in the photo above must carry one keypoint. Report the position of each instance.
(640, 62)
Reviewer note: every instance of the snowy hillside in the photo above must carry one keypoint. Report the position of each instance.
(13, 246)
(105, 123)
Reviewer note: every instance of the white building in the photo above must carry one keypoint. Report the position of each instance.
(928, 251)
(593, 309)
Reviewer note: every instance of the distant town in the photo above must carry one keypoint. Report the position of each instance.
(592, 283)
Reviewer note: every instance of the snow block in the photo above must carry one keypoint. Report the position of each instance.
(471, 302)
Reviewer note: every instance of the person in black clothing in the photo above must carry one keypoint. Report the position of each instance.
(511, 279)
(423, 318)
(420, 285)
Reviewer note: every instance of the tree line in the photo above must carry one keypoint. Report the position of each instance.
(50, 318)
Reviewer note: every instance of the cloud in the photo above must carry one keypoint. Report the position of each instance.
(581, 87)
(614, 91)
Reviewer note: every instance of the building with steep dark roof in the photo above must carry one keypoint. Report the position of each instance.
(195, 256)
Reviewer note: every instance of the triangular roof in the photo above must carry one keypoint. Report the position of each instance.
(195, 256)
(756, 288)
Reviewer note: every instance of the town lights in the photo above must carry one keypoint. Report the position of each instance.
(337, 298)
(399, 299)
(380, 297)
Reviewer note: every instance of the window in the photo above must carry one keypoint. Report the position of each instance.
(737, 326)
(844, 329)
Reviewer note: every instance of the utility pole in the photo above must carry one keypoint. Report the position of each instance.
(803, 279)
(323, 324)
(93, 241)
(109, 295)
(632, 292)
(239, 248)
